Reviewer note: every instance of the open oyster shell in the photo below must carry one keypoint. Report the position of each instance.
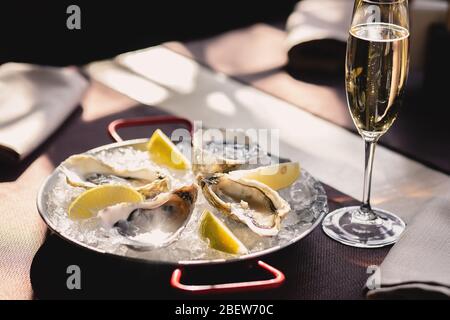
(88, 172)
(214, 150)
(249, 201)
(153, 223)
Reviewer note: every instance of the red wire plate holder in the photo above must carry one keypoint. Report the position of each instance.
(275, 282)
(145, 121)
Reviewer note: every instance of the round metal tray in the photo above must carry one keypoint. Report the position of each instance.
(309, 216)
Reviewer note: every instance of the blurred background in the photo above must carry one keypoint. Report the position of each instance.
(253, 41)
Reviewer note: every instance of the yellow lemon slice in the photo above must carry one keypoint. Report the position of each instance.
(278, 176)
(219, 236)
(164, 152)
(87, 204)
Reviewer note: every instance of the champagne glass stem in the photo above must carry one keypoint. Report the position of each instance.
(366, 209)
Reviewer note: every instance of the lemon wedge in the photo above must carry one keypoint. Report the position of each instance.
(87, 204)
(277, 176)
(219, 236)
(164, 152)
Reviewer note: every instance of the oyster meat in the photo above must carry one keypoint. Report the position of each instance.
(156, 222)
(87, 171)
(251, 202)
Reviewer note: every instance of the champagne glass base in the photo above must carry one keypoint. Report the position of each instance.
(350, 227)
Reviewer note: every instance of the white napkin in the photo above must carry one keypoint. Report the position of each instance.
(318, 20)
(418, 266)
(34, 101)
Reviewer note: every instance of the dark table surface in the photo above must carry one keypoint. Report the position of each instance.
(315, 267)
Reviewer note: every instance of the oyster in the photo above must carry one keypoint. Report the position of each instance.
(217, 150)
(249, 201)
(87, 171)
(156, 222)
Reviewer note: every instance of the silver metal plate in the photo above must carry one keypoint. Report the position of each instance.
(308, 202)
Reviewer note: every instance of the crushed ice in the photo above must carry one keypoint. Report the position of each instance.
(306, 197)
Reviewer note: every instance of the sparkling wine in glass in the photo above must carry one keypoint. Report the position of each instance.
(376, 72)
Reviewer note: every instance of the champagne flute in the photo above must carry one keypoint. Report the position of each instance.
(377, 65)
